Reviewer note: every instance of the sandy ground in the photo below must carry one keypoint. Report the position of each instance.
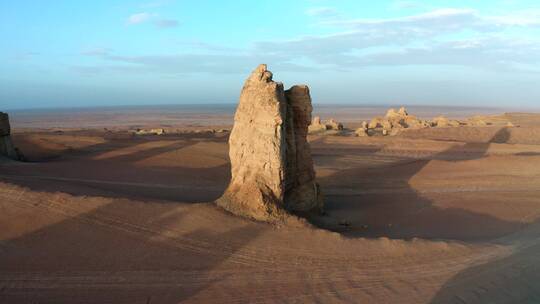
(431, 216)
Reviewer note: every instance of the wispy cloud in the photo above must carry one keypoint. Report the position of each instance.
(448, 18)
(433, 21)
(448, 36)
(518, 18)
(366, 41)
(488, 54)
(138, 18)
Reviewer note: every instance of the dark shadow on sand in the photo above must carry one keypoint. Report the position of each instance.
(100, 257)
(119, 176)
(512, 279)
(406, 214)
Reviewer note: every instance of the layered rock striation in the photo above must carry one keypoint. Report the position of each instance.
(271, 165)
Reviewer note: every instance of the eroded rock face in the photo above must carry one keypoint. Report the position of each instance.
(271, 165)
(6, 146)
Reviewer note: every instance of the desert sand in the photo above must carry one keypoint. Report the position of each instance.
(438, 215)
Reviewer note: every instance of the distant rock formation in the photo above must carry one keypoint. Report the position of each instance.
(316, 126)
(149, 132)
(331, 124)
(271, 165)
(376, 122)
(363, 130)
(441, 121)
(402, 120)
(395, 121)
(6, 146)
(477, 121)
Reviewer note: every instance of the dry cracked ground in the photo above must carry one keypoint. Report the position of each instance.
(431, 216)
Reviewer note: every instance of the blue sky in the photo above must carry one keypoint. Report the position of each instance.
(103, 52)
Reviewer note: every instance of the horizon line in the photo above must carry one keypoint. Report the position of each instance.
(323, 104)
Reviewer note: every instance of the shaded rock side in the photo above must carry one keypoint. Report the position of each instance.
(5, 128)
(302, 193)
(6, 146)
(268, 151)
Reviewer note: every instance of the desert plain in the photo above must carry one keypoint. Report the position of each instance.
(98, 214)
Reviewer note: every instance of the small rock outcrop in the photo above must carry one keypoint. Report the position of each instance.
(395, 121)
(441, 121)
(477, 121)
(271, 165)
(363, 130)
(376, 122)
(316, 126)
(6, 146)
(149, 132)
(402, 119)
(331, 124)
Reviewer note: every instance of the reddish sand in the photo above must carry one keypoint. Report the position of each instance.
(433, 216)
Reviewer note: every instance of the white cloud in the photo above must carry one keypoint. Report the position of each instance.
(519, 18)
(458, 37)
(444, 18)
(423, 39)
(178, 64)
(448, 19)
(138, 18)
(489, 54)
